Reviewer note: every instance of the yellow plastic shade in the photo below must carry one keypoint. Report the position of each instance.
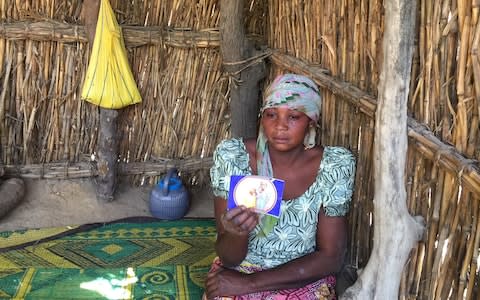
(109, 81)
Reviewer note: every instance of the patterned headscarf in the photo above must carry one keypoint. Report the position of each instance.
(296, 92)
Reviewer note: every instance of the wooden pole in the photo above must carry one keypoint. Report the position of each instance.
(107, 143)
(395, 231)
(244, 77)
(107, 154)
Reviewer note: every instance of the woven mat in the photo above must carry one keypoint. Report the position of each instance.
(126, 259)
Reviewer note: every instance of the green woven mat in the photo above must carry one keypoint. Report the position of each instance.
(122, 260)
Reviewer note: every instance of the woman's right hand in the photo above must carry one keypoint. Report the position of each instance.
(239, 220)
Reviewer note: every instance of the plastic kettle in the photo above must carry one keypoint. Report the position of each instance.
(169, 199)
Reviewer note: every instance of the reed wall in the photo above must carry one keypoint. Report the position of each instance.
(345, 38)
(173, 49)
(184, 112)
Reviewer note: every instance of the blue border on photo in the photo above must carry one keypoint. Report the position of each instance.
(277, 183)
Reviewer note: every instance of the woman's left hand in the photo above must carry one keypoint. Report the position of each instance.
(225, 282)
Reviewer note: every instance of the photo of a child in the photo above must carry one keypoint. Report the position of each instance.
(256, 192)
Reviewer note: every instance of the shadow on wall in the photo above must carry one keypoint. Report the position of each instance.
(12, 191)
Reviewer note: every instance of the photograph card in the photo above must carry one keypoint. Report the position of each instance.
(260, 192)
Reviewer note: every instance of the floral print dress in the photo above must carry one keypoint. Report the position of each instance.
(294, 235)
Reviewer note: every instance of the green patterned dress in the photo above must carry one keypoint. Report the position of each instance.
(295, 233)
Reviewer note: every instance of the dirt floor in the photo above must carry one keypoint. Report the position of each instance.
(52, 203)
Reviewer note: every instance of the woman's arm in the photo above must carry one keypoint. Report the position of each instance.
(233, 228)
(325, 260)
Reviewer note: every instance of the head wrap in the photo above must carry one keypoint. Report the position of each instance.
(296, 92)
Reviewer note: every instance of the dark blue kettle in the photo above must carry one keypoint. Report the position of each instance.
(169, 199)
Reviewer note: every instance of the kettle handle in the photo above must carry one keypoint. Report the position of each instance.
(167, 179)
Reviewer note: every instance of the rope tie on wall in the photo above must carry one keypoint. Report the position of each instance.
(438, 155)
(467, 166)
(243, 64)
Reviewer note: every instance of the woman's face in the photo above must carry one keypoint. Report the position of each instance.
(284, 128)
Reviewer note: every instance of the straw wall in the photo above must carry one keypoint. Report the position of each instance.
(344, 37)
(42, 118)
(173, 49)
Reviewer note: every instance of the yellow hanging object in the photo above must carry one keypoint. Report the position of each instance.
(109, 81)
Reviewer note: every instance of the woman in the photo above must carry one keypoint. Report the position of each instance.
(296, 255)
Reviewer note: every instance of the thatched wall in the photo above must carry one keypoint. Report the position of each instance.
(345, 37)
(178, 71)
(173, 47)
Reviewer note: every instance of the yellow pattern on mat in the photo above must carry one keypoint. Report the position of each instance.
(126, 259)
(27, 280)
(109, 81)
(31, 235)
(182, 283)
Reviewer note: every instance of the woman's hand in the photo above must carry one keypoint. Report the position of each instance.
(225, 282)
(239, 220)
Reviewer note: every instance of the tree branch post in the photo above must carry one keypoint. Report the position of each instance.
(244, 78)
(396, 232)
(107, 143)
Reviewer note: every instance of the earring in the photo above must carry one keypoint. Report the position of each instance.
(309, 140)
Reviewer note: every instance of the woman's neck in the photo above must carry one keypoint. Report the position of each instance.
(289, 158)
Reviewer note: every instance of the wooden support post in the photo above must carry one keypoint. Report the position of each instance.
(107, 154)
(235, 49)
(396, 232)
(107, 143)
